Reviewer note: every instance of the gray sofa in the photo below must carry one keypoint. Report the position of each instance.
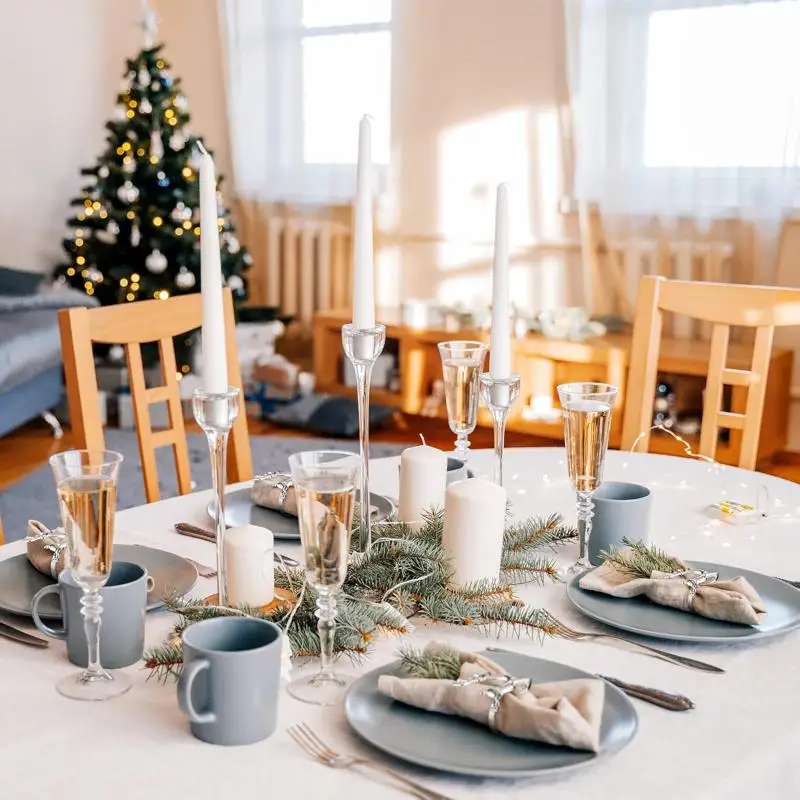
(31, 382)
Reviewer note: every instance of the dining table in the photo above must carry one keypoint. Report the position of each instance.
(742, 740)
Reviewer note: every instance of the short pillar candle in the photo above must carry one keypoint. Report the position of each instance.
(250, 565)
(474, 521)
(423, 479)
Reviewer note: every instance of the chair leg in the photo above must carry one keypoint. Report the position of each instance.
(52, 420)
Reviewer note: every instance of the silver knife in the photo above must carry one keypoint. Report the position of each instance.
(10, 632)
(672, 702)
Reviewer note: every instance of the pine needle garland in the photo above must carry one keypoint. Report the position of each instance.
(640, 561)
(405, 573)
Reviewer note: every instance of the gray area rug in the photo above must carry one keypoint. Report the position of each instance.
(34, 497)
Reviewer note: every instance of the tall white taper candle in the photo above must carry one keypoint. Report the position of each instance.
(215, 369)
(363, 261)
(500, 352)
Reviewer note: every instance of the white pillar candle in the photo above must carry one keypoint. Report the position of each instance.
(363, 261)
(500, 352)
(214, 364)
(250, 565)
(423, 479)
(474, 520)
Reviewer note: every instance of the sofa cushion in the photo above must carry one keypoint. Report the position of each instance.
(18, 282)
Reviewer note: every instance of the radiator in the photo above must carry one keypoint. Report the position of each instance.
(301, 257)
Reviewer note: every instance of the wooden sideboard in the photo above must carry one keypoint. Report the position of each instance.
(544, 363)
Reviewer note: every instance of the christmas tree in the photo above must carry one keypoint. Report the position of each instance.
(135, 234)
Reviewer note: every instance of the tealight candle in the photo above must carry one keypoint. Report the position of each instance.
(474, 521)
(250, 567)
(423, 479)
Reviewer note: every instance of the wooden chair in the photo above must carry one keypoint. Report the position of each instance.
(132, 325)
(760, 307)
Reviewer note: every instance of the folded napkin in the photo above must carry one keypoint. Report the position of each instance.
(275, 490)
(732, 600)
(47, 550)
(566, 713)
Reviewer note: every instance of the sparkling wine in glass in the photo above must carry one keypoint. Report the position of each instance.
(586, 409)
(86, 482)
(462, 364)
(325, 486)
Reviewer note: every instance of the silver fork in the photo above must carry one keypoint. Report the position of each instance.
(560, 629)
(316, 748)
(202, 570)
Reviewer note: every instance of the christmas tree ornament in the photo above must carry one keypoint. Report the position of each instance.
(106, 236)
(95, 275)
(145, 106)
(235, 283)
(181, 213)
(119, 113)
(102, 172)
(144, 77)
(116, 353)
(155, 86)
(185, 279)
(113, 228)
(156, 262)
(180, 102)
(128, 165)
(177, 141)
(248, 259)
(232, 242)
(136, 235)
(128, 193)
(156, 145)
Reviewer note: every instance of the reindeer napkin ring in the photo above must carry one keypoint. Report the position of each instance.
(498, 687)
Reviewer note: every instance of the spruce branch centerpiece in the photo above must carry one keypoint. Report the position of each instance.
(640, 560)
(406, 573)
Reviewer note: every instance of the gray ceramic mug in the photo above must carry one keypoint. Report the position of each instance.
(122, 624)
(230, 679)
(456, 470)
(621, 511)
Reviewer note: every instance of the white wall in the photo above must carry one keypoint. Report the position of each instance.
(61, 65)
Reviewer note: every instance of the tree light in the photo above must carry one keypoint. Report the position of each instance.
(120, 151)
(160, 63)
(88, 285)
(80, 260)
(126, 145)
(169, 113)
(103, 213)
(123, 282)
(161, 294)
(140, 151)
(90, 290)
(179, 231)
(134, 287)
(197, 231)
(79, 242)
(84, 273)
(178, 376)
(95, 205)
(185, 368)
(187, 224)
(130, 215)
(70, 271)
(132, 103)
(129, 297)
(154, 159)
(186, 172)
(130, 113)
(135, 276)
(157, 221)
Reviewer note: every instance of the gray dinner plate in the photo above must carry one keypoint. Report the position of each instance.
(19, 581)
(639, 615)
(457, 745)
(241, 510)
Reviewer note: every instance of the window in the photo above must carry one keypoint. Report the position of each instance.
(733, 71)
(302, 73)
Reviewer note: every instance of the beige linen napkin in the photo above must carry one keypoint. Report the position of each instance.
(566, 713)
(47, 550)
(732, 600)
(275, 490)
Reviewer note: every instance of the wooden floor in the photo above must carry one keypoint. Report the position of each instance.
(29, 447)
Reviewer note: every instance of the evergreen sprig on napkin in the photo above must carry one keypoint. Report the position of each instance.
(640, 560)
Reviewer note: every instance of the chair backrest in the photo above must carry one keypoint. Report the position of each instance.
(132, 325)
(722, 304)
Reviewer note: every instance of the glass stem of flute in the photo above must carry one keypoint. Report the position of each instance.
(326, 627)
(363, 374)
(585, 509)
(218, 447)
(499, 424)
(92, 609)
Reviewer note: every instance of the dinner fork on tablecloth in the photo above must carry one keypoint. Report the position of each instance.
(316, 748)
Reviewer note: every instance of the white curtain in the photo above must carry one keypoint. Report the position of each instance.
(300, 74)
(686, 108)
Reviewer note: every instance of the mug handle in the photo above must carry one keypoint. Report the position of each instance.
(189, 672)
(55, 633)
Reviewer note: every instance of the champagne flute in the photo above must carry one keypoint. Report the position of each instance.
(462, 363)
(86, 481)
(586, 408)
(325, 486)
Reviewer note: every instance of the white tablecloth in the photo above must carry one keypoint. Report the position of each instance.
(742, 741)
